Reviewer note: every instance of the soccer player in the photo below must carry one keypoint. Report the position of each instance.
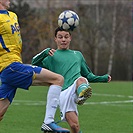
(77, 75)
(14, 74)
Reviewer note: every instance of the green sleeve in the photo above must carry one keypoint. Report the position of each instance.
(86, 72)
(37, 59)
(94, 78)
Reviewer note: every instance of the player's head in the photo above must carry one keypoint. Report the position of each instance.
(60, 29)
(4, 4)
(62, 38)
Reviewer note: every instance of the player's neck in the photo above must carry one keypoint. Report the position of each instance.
(2, 7)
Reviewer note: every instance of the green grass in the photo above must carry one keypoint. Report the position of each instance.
(109, 110)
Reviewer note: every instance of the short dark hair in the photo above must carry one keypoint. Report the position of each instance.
(60, 29)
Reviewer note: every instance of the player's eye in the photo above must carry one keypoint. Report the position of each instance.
(59, 37)
(66, 37)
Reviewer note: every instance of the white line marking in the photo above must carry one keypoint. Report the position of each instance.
(28, 102)
(42, 103)
(111, 95)
(112, 102)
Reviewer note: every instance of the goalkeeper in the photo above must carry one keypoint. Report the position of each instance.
(77, 75)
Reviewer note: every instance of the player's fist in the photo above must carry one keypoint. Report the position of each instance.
(109, 78)
(51, 52)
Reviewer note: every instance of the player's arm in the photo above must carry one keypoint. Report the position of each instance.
(37, 59)
(86, 72)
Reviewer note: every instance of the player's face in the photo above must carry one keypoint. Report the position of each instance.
(4, 4)
(63, 40)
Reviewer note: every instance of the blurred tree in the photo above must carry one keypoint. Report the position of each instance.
(26, 16)
(23, 10)
(103, 36)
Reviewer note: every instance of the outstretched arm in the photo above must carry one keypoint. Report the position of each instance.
(86, 72)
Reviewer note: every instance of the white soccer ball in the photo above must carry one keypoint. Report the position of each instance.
(68, 20)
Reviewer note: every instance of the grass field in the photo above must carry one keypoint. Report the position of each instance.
(109, 110)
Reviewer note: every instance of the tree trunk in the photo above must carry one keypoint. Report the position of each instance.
(96, 40)
(112, 41)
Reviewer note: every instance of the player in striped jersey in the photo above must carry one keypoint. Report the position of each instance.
(15, 74)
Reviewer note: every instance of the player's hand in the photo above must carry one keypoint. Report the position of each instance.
(51, 52)
(109, 78)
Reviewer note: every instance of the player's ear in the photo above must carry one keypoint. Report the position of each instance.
(70, 37)
(55, 39)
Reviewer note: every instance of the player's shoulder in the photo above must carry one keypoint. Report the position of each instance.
(12, 13)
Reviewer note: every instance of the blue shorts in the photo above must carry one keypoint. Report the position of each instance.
(16, 75)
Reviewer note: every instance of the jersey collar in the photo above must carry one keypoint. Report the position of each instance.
(4, 12)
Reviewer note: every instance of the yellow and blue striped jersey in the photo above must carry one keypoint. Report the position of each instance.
(10, 39)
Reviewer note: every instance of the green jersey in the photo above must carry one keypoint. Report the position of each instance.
(68, 63)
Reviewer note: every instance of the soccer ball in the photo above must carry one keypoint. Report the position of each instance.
(68, 20)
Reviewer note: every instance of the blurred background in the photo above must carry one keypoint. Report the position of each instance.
(104, 34)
